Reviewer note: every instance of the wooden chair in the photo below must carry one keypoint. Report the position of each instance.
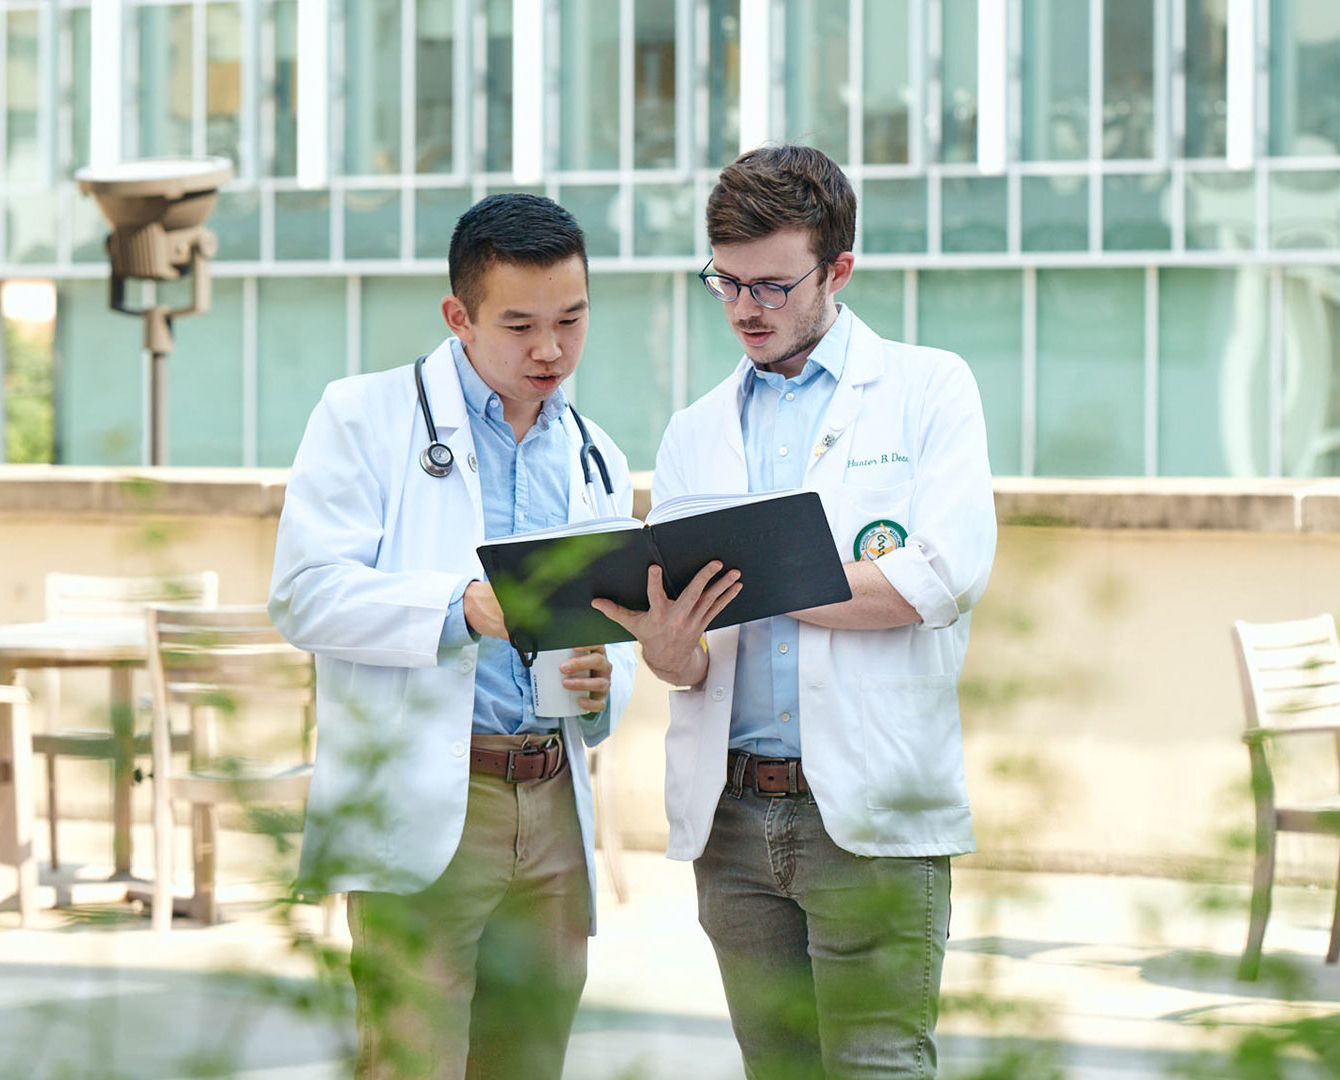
(1290, 686)
(87, 596)
(222, 661)
(16, 798)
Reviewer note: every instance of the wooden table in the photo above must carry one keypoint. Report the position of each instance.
(119, 644)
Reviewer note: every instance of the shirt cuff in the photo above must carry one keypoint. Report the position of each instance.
(909, 571)
(456, 633)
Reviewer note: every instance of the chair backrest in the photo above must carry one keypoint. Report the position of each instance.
(1290, 673)
(222, 659)
(91, 596)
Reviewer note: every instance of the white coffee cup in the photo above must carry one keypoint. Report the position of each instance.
(552, 698)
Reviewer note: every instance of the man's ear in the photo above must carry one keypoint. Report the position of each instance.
(458, 319)
(839, 271)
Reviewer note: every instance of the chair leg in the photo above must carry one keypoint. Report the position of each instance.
(204, 826)
(607, 822)
(1333, 951)
(162, 910)
(51, 809)
(1261, 882)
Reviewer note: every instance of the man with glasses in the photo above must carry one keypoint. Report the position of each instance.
(815, 765)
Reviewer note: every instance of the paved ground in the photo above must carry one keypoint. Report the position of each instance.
(1048, 976)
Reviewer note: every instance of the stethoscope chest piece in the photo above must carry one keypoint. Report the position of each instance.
(436, 459)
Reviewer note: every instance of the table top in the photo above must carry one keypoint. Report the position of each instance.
(73, 643)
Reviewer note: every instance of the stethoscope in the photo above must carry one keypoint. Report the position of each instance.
(437, 459)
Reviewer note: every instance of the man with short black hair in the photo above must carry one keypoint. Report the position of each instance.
(458, 821)
(814, 761)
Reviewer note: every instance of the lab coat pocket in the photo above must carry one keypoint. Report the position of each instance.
(913, 750)
(869, 522)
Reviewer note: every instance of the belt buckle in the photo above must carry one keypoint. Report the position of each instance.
(791, 776)
(512, 755)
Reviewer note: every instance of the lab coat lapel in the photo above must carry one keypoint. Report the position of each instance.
(447, 401)
(863, 364)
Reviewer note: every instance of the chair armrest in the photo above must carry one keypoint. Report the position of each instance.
(1259, 735)
(14, 695)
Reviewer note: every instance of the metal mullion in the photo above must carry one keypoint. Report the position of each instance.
(1177, 132)
(911, 302)
(934, 85)
(250, 372)
(1275, 388)
(199, 77)
(65, 193)
(553, 93)
(1014, 211)
(679, 341)
(1095, 155)
(48, 93)
(479, 43)
(702, 106)
(267, 112)
(462, 80)
(353, 324)
(1151, 344)
(627, 44)
(1163, 68)
(778, 119)
(1029, 380)
(934, 210)
(1261, 118)
(856, 85)
(409, 68)
(684, 84)
(248, 135)
(916, 67)
(1014, 84)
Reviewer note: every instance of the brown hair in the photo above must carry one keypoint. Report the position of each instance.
(784, 187)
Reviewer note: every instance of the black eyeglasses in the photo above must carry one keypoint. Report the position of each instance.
(767, 294)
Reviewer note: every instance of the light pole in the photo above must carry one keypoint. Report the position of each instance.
(157, 209)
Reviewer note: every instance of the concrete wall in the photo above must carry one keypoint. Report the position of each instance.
(1101, 708)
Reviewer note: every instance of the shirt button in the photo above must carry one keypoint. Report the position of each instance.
(783, 648)
(466, 665)
(786, 717)
(790, 396)
(458, 749)
(782, 451)
(718, 693)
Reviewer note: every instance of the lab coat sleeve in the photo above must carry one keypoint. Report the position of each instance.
(326, 594)
(943, 568)
(622, 658)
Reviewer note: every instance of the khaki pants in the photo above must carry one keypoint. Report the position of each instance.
(478, 976)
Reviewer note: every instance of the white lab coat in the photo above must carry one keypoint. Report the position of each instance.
(369, 551)
(903, 440)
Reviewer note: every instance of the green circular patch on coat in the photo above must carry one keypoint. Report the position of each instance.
(878, 538)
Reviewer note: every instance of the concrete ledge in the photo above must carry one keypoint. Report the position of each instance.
(1274, 506)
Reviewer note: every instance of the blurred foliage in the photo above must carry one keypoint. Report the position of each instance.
(28, 399)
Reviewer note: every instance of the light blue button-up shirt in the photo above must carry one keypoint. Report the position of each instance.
(780, 420)
(524, 486)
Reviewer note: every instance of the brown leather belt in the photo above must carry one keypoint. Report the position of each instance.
(767, 776)
(530, 763)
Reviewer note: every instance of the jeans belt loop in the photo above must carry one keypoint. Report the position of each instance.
(737, 777)
(792, 780)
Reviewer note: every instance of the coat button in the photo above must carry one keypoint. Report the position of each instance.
(458, 749)
(718, 693)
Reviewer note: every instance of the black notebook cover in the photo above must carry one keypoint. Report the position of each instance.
(782, 547)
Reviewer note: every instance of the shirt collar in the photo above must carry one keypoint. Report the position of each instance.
(829, 355)
(477, 392)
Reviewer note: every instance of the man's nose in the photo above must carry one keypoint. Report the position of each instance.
(546, 347)
(746, 307)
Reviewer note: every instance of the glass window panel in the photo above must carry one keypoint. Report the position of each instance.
(888, 81)
(979, 315)
(1220, 211)
(876, 298)
(76, 154)
(663, 221)
(1055, 80)
(1091, 372)
(286, 88)
(973, 213)
(1305, 209)
(958, 116)
(817, 75)
(301, 347)
(100, 378)
(596, 208)
(589, 76)
(1206, 78)
(434, 72)
(1128, 79)
(302, 224)
(31, 229)
(1305, 77)
(435, 214)
(165, 80)
(371, 224)
(893, 215)
(723, 82)
(713, 349)
(626, 374)
(1055, 213)
(223, 79)
(498, 86)
(402, 319)
(89, 230)
(1213, 372)
(1312, 371)
(236, 221)
(23, 84)
(205, 382)
(654, 85)
(372, 87)
(1136, 213)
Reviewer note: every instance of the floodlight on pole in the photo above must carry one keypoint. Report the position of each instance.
(157, 209)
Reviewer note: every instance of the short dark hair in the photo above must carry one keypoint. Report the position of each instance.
(511, 227)
(784, 187)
